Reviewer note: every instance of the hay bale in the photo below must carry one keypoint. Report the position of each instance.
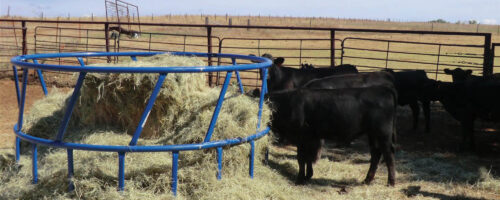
(110, 106)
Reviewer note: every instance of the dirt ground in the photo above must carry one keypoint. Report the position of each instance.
(9, 110)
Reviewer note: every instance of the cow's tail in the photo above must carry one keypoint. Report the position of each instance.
(394, 132)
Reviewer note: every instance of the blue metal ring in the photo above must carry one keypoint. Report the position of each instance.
(20, 61)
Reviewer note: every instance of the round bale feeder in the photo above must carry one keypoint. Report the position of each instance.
(30, 62)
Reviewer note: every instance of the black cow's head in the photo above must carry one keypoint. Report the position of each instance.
(458, 74)
(306, 66)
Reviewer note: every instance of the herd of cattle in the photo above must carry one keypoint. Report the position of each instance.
(338, 103)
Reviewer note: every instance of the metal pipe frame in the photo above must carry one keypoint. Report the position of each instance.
(58, 142)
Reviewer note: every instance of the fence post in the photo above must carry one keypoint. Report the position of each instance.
(106, 36)
(488, 59)
(24, 44)
(209, 45)
(332, 48)
(493, 54)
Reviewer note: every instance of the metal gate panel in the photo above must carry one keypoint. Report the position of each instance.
(396, 54)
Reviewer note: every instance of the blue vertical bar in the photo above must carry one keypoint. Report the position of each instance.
(71, 170)
(261, 100)
(18, 149)
(219, 163)
(121, 171)
(239, 82)
(134, 58)
(23, 98)
(147, 111)
(175, 160)
(16, 83)
(252, 156)
(71, 105)
(238, 77)
(18, 95)
(217, 107)
(34, 166)
(80, 60)
(42, 81)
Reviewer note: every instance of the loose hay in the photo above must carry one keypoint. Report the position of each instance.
(183, 112)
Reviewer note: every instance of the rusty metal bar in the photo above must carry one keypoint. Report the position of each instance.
(24, 45)
(209, 46)
(106, 37)
(437, 64)
(332, 48)
(387, 54)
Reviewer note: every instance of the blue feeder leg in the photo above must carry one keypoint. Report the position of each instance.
(16, 83)
(175, 159)
(34, 164)
(40, 75)
(70, 106)
(219, 163)
(252, 150)
(121, 171)
(218, 107)
(18, 149)
(71, 170)
(238, 77)
(147, 110)
(22, 97)
(239, 82)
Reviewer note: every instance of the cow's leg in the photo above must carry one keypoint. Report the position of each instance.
(427, 115)
(415, 110)
(301, 158)
(309, 172)
(313, 154)
(388, 153)
(374, 160)
(468, 141)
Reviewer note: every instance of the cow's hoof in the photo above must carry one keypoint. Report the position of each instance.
(300, 181)
(367, 181)
(391, 183)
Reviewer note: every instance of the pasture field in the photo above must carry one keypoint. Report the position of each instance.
(428, 165)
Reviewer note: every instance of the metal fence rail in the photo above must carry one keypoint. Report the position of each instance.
(11, 45)
(61, 41)
(415, 55)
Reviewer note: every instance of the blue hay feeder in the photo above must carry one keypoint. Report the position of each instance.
(30, 62)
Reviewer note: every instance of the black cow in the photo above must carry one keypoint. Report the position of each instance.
(352, 81)
(469, 100)
(306, 117)
(414, 86)
(458, 75)
(281, 77)
(306, 66)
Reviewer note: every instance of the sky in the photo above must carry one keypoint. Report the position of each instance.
(483, 11)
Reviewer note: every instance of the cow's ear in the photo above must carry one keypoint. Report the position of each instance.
(447, 71)
(279, 61)
(468, 72)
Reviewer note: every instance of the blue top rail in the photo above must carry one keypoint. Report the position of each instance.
(21, 61)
